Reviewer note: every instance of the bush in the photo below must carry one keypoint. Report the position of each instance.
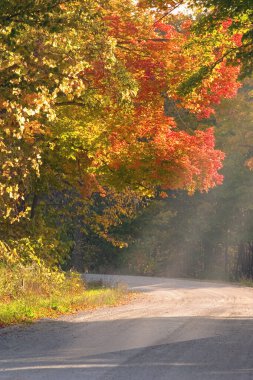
(22, 272)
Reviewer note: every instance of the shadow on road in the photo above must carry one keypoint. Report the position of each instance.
(189, 348)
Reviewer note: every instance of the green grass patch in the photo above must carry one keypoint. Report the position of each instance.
(28, 295)
(245, 282)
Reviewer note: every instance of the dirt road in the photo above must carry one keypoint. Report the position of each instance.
(177, 330)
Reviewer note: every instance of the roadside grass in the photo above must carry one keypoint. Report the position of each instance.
(246, 282)
(27, 300)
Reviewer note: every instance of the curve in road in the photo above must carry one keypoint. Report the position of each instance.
(176, 330)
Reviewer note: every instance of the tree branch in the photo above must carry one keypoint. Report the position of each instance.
(70, 103)
(169, 12)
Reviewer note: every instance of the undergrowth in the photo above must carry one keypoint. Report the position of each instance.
(29, 293)
(31, 287)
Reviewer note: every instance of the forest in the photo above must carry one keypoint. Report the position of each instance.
(126, 140)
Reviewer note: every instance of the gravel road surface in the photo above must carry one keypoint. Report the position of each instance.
(176, 330)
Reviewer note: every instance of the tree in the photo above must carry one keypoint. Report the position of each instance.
(234, 15)
(237, 17)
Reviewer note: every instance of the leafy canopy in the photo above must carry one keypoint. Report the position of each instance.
(83, 85)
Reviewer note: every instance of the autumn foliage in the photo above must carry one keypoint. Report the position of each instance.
(84, 108)
(147, 150)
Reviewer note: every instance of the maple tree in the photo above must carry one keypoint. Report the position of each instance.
(238, 16)
(210, 14)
